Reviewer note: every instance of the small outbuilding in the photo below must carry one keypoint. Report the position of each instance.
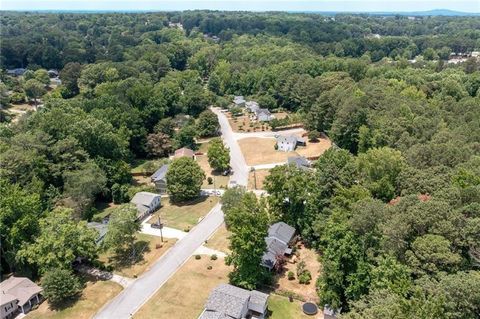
(101, 228)
(239, 101)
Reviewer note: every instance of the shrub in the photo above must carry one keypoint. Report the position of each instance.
(213, 257)
(313, 135)
(209, 267)
(300, 268)
(291, 275)
(305, 277)
(197, 257)
(210, 180)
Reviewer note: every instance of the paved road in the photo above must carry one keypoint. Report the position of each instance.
(237, 161)
(136, 294)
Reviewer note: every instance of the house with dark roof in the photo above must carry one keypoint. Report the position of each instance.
(299, 161)
(146, 203)
(184, 152)
(159, 178)
(230, 302)
(16, 72)
(289, 143)
(18, 294)
(279, 237)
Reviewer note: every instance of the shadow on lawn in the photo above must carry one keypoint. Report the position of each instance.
(129, 257)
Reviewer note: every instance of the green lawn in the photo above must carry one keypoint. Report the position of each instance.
(281, 308)
(185, 215)
(139, 165)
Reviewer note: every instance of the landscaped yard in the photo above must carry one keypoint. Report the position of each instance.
(184, 215)
(148, 254)
(244, 124)
(184, 294)
(219, 240)
(94, 296)
(281, 308)
(308, 291)
(259, 151)
(257, 178)
(219, 181)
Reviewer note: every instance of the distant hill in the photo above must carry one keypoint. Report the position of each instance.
(435, 12)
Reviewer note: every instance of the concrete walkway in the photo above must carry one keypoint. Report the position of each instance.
(132, 298)
(202, 250)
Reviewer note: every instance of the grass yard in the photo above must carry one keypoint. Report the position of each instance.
(202, 160)
(184, 295)
(260, 176)
(281, 308)
(150, 253)
(308, 292)
(103, 210)
(219, 240)
(259, 151)
(94, 296)
(147, 167)
(184, 215)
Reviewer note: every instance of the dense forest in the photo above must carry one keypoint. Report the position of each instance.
(393, 209)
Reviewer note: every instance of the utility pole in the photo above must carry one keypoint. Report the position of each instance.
(160, 226)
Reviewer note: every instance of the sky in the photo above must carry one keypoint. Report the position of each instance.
(250, 5)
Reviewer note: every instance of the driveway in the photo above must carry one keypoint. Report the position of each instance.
(237, 161)
(139, 292)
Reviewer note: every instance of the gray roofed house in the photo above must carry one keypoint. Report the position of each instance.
(146, 203)
(239, 101)
(230, 302)
(263, 115)
(101, 228)
(24, 292)
(159, 178)
(299, 161)
(279, 236)
(16, 72)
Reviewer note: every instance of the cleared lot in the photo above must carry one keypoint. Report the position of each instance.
(259, 151)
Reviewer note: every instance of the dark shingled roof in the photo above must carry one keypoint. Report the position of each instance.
(160, 173)
(281, 231)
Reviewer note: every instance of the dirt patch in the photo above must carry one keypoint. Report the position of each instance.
(257, 178)
(184, 295)
(310, 257)
(314, 149)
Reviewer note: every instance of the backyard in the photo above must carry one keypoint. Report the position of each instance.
(306, 291)
(94, 296)
(188, 289)
(183, 216)
(146, 245)
(281, 308)
(244, 123)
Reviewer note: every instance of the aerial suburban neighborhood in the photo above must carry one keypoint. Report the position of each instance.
(219, 163)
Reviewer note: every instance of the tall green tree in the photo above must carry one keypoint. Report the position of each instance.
(218, 155)
(184, 179)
